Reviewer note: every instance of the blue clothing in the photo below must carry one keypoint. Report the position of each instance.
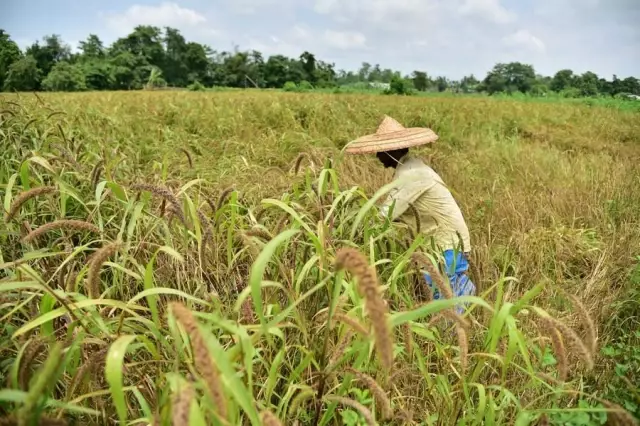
(456, 269)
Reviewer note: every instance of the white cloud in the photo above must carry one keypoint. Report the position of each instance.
(325, 7)
(300, 32)
(250, 7)
(524, 39)
(345, 39)
(274, 45)
(388, 15)
(490, 10)
(442, 37)
(166, 14)
(324, 44)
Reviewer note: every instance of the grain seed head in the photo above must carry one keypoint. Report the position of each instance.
(33, 349)
(364, 411)
(188, 155)
(463, 343)
(587, 320)
(95, 264)
(223, 197)
(351, 322)
(181, 405)
(339, 350)
(95, 173)
(423, 261)
(269, 419)
(576, 343)
(559, 350)
(24, 197)
(377, 391)
(164, 193)
(298, 162)
(618, 416)
(355, 262)
(68, 224)
(203, 361)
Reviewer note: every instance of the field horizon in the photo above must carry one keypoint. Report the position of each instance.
(176, 257)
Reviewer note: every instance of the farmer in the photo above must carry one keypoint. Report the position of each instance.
(423, 194)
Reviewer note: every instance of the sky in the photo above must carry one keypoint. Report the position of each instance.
(442, 37)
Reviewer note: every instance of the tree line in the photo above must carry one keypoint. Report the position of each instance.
(151, 57)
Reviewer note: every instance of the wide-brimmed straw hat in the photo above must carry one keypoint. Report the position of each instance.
(391, 135)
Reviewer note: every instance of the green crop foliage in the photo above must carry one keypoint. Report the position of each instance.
(174, 258)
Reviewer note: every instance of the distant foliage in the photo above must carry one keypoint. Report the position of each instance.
(151, 57)
(290, 86)
(65, 77)
(570, 92)
(9, 53)
(400, 86)
(22, 75)
(156, 80)
(539, 90)
(196, 87)
(304, 86)
(511, 77)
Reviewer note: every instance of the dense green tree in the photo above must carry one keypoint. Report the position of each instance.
(175, 67)
(375, 74)
(420, 80)
(197, 63)
(469, 83)
(442, 84)
(65, 77)
(92, 48)
(388, 74)
(276, 71)
(99, 74)
(365, 70)
(325, 74)
(587, 83)
(510, 77)
(50, 52)
(236, 68)
(145, 42)
(279, 69)
(23, 75)
(605, 87)
(129, 71)
(9, 53)
(256, 69)
(562, 80)
(400, 86)
(630, 85)
(308, 61)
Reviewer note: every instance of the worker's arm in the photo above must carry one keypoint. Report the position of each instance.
(403, 197)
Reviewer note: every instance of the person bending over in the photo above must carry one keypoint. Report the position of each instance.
(423, 191)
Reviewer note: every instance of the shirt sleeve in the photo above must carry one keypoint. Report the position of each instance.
(401, 197)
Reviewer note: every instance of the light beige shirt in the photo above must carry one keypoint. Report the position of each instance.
(438, 211)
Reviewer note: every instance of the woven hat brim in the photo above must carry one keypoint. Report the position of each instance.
(407, 138)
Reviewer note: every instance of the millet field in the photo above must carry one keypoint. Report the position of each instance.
(211, 258)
